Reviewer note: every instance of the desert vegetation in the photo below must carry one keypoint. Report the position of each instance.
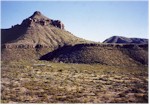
(47, 82)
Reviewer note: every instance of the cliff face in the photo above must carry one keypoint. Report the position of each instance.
(40, 19)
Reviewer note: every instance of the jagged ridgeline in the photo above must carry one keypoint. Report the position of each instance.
(35, 36)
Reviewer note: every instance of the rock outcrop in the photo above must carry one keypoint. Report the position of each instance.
(38, 18)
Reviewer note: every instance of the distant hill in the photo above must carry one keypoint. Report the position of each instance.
(121, 39)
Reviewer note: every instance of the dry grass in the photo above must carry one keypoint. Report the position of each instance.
(47, 82)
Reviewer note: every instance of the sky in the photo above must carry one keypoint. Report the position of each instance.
(91, 20)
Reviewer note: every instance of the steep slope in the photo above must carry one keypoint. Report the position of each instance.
(34, 37)
(109, 54)
(121, 39)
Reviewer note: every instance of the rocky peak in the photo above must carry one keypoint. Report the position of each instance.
(40, 19)
(37, 13)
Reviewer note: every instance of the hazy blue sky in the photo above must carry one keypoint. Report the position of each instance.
(93, 20)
